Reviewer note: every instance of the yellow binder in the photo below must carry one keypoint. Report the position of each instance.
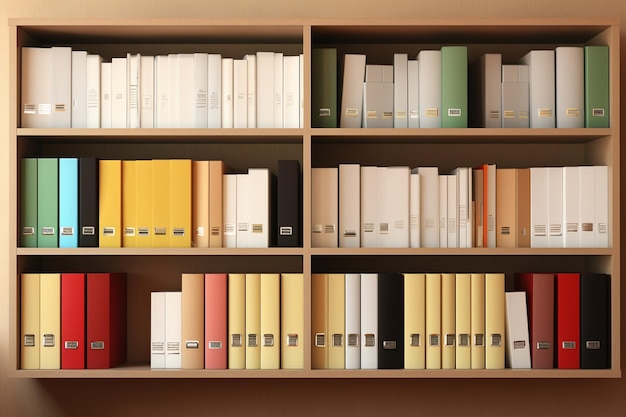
(414, 321)
(161, 203)
(433, 321)
(253, 321)
(236, 321)
(129, 204)
(270, 321)
(292, 321)
(463, 321)
(494, 321)
(319, 321)
(31, 340)
(336, 321)
(110, 203)
(180, 203)
(145, 230)
(50, 321)
(477, 318)
(448, 319)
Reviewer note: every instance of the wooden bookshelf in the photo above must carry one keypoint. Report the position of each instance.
(160, 269)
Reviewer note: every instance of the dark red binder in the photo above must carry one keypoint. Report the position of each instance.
(106, 320)
(539, 290)
(73, 321)
(568, 320)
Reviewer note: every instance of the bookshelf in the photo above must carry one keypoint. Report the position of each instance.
(160, 269)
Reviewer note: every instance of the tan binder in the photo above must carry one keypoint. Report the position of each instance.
(414, 321)
(192, 303)
(494, 321)
(336, 321)
(200, 205)
(31, 341)
(433, 321)
(292, 321)
(319, 321)
(236, 321)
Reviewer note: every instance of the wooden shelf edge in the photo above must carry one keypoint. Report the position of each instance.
(159, 252)
(459, 251)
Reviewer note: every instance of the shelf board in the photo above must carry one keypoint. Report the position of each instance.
(450, 135)
(144, 371)
(159, 251)
(462, 251)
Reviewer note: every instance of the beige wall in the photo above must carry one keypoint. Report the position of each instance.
(301, 397)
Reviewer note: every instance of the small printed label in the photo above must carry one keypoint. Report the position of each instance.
(569, 345)
(353, 339)
(368, 227)
(230, 229)
(59, 108)
(200, 231)
(252, 340)
(28, 231)
(178, 231)
(494, 114)
(387, 115)
(47, 231)
(44, 108)
(545, 112)
(349, 233)
(383, 228)
(414, 114)
(572, 111)
(539, 230)
(449, 340)
(317, 228)
(432, 112)
(242, 227)
(352, 112)
(370, 340)
(215, 230)
(30, 109)
(592, 344)
(268, 340)
(454, 112)
(89, 230)
(400, 115)
(586, 227)
(108, 231)
(508, 114)
(523, 115)
(337, 339)
(160, 231)
(433, 339)
(129, 231)
(324, 113)
(29, 340)
(496, 340)
(464, 339)
(597, 112)
(285, 231)
(143, 231)
(97, 345)
(257, 228)
(236, 340)
(371, 114)
(157, 348)
(67, 231)
(329, 228)
(71, 344)
(213, 344)
(519, 344)
(505, 230)
(192, 344)
(479, 339)
(415, 339)
(389, 344)
(320, 339)
(292, 339)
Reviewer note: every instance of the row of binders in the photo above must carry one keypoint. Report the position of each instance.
(66, 88)
(72, 320)
(229, 321)
(398, 207)
(459, 321)
(563, 87)
(85, 202)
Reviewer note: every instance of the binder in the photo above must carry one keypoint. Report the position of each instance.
(186, 91)
(555, 207)
(146, 92)
(506, 207)
(523, 208)
(414, 210)
(390, 321)
(324, 210)
(567, 319)
(230, 211)
(215, 321)
(236, 321)
(430, 88)
(349, 205)
(240, 93)
(414, 321)
(454, 86)
(571, 207)
(262, 212)
(36, 94)
(319, 321)
(601, 200)
(161, 212)
(270, 321)
(253, 321)
(485, 86)
(292, 321)
(597, 102)
(463, 320)
(106, 320)
(48, 202)
(200, 203)
(243, 210)
(161, 91)
(110, 203)
(369, 205)
(144, 195)
(28, 202)
(539, 207)
(464, 200)
(541, 78)
(134, 73)
(433, 321)
(378, 96)
(173, 88)
(251, 81)
(443, 211)
(400, 90)
(180, 203)
(291, 91)
(477, 320)
(587, 206)
(157, 330)
(105, 95)
(516, 331)
(88, 204)
(395, 196)
(30, 290)
(324, 87)
(353, 321)
(72, 342)
(278, 90)
(352, 90)
(173, 336)
(336, 321)
(289, 204)
(265, 89)
(215, 90)
(369, 321)
(539, 288)
(429, 210)
(570, 86)
(479, 207)
(515, 96)
(448, 321)
(227, 92)
(79, 89)
(595, 321)
(453, 210)
(129, 204)
(192, 318)
(61, 68)
(413, 109)
(217, 169)
(494, 321)
(119, 92)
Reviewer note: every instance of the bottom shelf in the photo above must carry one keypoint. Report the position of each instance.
(143, 371)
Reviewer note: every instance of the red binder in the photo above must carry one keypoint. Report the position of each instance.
(568, 320)
(540, 298)
(215, 321)
(106, 320)
(73, 321)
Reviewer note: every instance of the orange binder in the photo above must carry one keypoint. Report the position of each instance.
(215, 319)
(192, 321)
(200, 204)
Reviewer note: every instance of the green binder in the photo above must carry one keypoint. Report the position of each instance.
(324, 87)
(454, 86)
(28, 203)
(48, 202)
(596, 86)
